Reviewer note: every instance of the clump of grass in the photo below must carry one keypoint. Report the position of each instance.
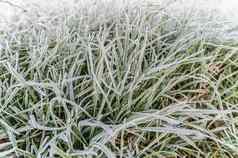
(116, 81)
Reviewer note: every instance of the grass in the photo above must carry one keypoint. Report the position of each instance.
(112, 81)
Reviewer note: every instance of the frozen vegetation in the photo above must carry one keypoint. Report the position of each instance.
(118, 79)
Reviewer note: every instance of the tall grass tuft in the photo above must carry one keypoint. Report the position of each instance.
(117, 80)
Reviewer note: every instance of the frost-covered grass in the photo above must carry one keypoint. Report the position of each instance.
(116, 80)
